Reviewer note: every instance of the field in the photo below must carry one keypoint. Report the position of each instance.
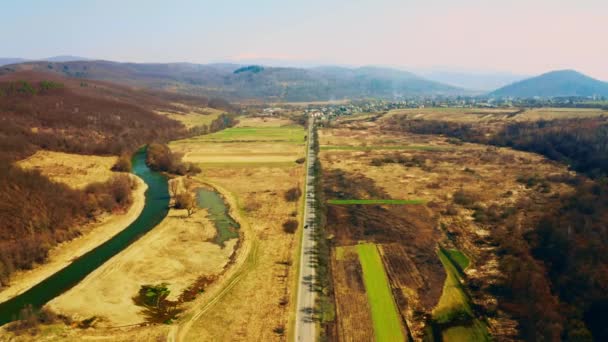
(387, 325)
(272, 144)
(454, 307)
(74, 170)
(254, 303)
(374, 201)
(458, 201)
(372, 148)
(290, 134)
(194, 117)
(352, 303)
(474, 115)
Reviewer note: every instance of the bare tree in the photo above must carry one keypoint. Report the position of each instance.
(186, 200)
(174, 187)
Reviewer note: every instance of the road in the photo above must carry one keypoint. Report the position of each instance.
(305, 329)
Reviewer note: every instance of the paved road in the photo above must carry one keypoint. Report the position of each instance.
(305, 323)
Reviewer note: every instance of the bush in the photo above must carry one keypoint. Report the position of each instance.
(290, 226)
(464, 198)
(293, 194)
(300, 160)
(123, 164)
(160, 158)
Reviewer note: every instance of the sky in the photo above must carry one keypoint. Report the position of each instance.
(517, 36)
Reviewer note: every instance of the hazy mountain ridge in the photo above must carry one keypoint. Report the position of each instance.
(554, 84)
(271, 83)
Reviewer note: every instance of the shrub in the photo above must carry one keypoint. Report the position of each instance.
(290, 226)
(123, 164)
(300, 160)
(464, 198)
(293, 194)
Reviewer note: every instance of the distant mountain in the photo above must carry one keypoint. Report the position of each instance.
(554, 84)
(7, 61)
(481, 81)
(66, 58)
(267, 83)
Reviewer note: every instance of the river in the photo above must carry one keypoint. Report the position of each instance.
(155, 209)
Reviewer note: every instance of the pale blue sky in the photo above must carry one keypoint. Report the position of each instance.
(520, 36)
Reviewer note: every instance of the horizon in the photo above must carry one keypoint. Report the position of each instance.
(472, 37)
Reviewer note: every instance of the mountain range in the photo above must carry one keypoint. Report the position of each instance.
(236, 82)
(264, 83)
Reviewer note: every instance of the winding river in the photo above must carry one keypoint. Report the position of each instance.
(155, 209)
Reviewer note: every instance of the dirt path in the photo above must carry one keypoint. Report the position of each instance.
(92, 236)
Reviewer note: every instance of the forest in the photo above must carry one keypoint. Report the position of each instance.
(42, 111)
(34, 218)
(556, 271)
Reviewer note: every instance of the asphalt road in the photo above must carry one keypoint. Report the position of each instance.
(305, 329)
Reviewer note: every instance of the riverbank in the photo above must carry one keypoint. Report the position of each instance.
(177, 252)
(62, 255)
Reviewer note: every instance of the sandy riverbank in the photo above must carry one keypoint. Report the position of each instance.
(177, 252)
(62, 255)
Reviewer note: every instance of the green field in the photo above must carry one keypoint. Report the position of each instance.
(374, 201)
(372, 148)
(385, 316)
(455, 305)
(458, 258)
(292, 134)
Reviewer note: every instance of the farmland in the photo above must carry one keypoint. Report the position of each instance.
(374, 201)
(387, 322)
(430, 212)
(267, 143)
(477, 115)
(264, 274)
(352, 303)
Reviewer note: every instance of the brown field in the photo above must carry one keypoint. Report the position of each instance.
(74, 170)
(263, 122)
(474, 115)
(409, 235)
(194, 117)
(352, 307)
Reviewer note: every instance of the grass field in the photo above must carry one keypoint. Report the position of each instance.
(375, 201)
(454, 303)
(353, 316)
(74, 170)
(274, 144)
(385, 316)
(291, 134)
(194, 117)
(375, 148)
(458, 258)
(495, 114)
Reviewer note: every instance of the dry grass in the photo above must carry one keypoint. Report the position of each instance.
(263, 122)
(191, 119)
(354, 320)
(473, 115)
(434, 178)
(74, 170)
(177, 251)
(252, 308)
(255, 300)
